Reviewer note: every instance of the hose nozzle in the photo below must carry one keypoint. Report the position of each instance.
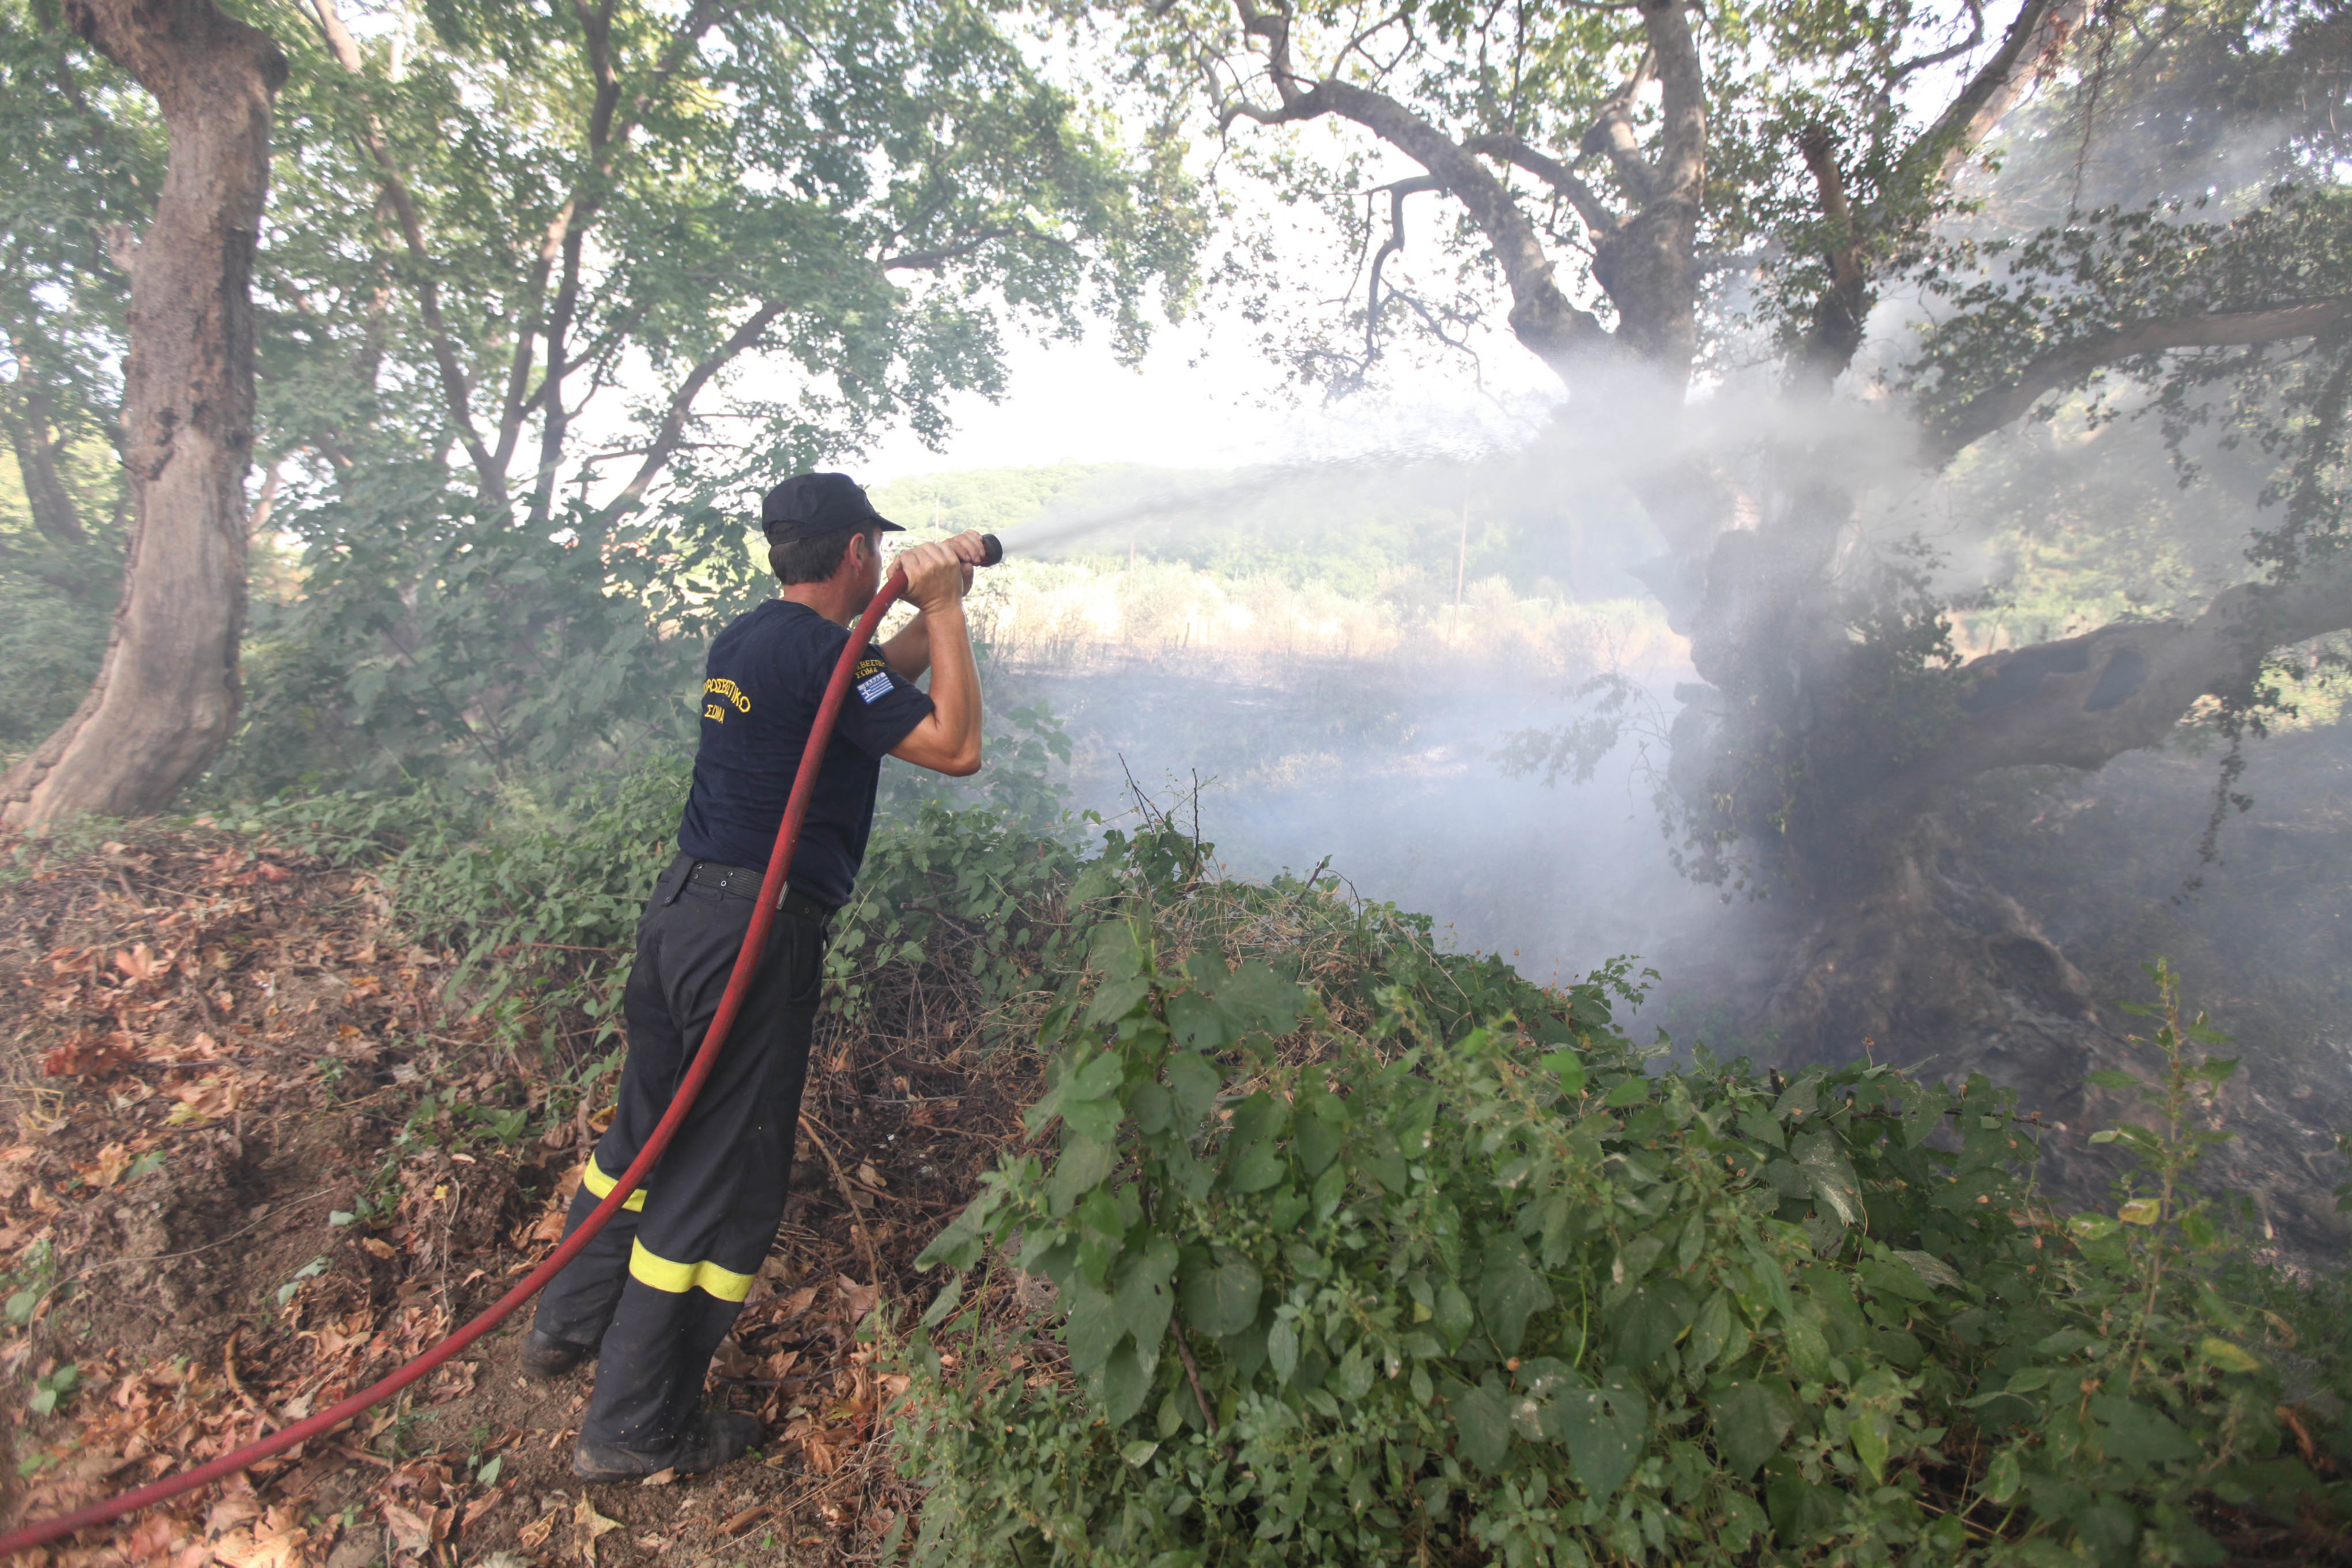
(995, 548)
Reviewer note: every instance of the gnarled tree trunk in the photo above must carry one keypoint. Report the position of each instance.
(1820, 758)
(166, 696)
(1922, 962)
(1916, 959)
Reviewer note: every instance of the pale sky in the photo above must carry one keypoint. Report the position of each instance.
(1209, 400)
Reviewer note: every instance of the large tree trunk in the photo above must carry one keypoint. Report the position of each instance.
(1913, 958)
(1833, 762)
(1818, 758)
(165, 696)
(1919, 961)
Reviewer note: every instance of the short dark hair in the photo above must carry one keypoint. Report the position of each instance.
(815, 560)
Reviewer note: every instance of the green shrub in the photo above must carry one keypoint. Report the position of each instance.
(1458, 1280)
(966, 887)
(539, 896)
(434, 637)
(50, 650)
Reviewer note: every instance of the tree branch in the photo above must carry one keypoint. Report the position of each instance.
(579, 209)
(1390, 246)
(1829, 182)
(683, 41)
(1274, 27)
(2079, 701)
(1296, 103)
(1681, 163)
(671, 432)
(2030, 49)
(1509, 149)
(1542, 316)
(267, 502)
(1241, 109)
(609, 129)
(1837, 332)
(1905, 69)
(1611, 132)
(515, 407)
(1356, 45)
(1988, 411)
(923, 261)
(1437, 330)
(587, 197)
(456, 392)
(34, 437)
(24, 561)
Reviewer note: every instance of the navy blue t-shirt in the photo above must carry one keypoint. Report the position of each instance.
(765, 677)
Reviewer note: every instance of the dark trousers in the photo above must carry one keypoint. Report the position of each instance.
(660, 1288)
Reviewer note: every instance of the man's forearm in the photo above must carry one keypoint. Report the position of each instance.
(909, 651)
(955, 681)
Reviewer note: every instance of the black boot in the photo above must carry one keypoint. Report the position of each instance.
(545, 1357)
(713, 1438)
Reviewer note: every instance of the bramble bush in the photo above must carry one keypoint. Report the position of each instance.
(1394, 1258)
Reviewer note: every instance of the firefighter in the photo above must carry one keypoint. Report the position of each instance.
(652, 1296)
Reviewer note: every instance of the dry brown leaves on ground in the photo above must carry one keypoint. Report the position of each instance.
(244, 1172)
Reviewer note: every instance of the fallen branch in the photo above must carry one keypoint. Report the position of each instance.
(858, 1228)
(1191, 1370)
(237, 1384)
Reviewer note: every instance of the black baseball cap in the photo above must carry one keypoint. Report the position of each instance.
(808, 506)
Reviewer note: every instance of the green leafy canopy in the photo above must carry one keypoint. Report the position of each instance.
(543, 295)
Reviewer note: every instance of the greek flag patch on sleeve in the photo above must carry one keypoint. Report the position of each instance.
(874, 688)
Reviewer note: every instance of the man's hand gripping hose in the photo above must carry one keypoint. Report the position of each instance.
(747, 962)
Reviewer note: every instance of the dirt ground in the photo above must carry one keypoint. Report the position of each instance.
(255, 1158)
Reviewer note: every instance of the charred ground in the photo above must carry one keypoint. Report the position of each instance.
(259, 1154)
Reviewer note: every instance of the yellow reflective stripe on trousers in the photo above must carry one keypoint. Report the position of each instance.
(677, 1278)
(601, 1186)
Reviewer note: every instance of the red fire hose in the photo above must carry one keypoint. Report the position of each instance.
(747, 962)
